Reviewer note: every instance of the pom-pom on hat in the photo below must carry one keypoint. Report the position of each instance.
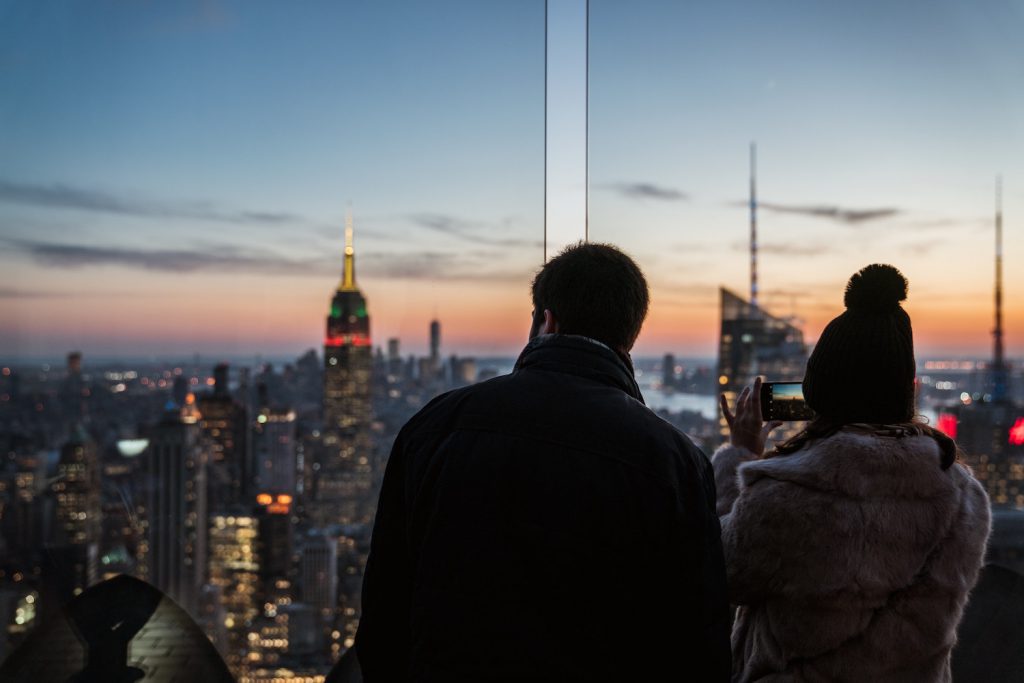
(862, 368)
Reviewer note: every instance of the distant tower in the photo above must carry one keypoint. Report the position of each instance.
(318, 574)
(394, 356)
(752, 342)
(999, 369)
(344, 477)
(74, 391)
(176, 513)
(75, 546)
(435, 342)
(224, 424)
(274, 441)
(990, 427)
(235, 570)
(668, 372)
(753, 225)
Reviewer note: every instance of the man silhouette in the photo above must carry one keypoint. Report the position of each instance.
(547, 525)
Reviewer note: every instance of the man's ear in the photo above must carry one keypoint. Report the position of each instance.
(550, 323)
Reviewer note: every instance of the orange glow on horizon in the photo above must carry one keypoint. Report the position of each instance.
(245, 314)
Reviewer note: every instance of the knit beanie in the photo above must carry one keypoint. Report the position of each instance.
(862, 368)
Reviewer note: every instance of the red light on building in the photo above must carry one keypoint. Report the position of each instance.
(947, 424)
(264, 499)
(348, 339)
(1017, 433)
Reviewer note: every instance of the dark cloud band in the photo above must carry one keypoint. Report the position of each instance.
(648, 191)
(61, 196)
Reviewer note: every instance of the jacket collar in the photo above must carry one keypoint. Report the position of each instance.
(582, 356)
(859, 464)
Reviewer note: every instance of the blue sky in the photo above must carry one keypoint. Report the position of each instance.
(174, 175)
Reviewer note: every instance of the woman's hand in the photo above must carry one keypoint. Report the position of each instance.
(746, 428)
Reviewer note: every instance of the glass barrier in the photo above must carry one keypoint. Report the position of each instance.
(244, 244)
(753, 158)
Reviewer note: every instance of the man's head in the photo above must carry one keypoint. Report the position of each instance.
(593, 290)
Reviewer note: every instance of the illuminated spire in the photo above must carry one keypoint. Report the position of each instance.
(348, 273)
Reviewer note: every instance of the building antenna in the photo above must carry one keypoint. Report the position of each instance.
(348, 276)
(998, 358)
(753, 224)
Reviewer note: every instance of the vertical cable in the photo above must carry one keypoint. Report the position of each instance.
(546, 131)
(586, 126)
(753, 225)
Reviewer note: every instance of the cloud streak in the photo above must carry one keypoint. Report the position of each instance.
(442, 266)
(13, 293)
(60, 196)
(224, 259)
(846, 216)
(471, 231)
(433, 265)
(978, 223)
(785, 248)
(643, 191)
(835, 213)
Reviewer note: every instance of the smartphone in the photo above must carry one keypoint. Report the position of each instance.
(784, 401)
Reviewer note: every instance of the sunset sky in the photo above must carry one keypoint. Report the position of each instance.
(174, 176)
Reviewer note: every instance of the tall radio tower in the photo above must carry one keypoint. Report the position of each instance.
(999, 373)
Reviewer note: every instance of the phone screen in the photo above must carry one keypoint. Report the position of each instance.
(784, 401)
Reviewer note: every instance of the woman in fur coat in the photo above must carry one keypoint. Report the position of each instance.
(852, 547)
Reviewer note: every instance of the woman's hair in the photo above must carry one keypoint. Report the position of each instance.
(822, 428)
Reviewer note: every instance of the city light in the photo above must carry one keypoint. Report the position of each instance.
(348, 340)
(130, 448)
(247, 491)
(947, 424)
(1017, 433)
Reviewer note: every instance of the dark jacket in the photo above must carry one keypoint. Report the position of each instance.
(546, 525)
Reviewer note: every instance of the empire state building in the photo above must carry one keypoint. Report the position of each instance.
(344, 477)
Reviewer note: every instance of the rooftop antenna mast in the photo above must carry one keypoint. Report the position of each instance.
(753, 225)
(999, 374)
(348, 274)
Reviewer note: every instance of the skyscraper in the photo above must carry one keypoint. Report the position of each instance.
(344, 477)
(394, 357)
(274, 451)
(991, 426)
(752, 342)
(223, 423)
(435, 341)
(75, 547)
(318, 574)
(176, 507)
(235, 571)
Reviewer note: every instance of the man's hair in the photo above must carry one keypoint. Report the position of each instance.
(593, 290)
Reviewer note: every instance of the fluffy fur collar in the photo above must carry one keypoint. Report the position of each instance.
(862, 465)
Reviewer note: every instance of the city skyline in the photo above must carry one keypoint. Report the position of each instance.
(175, 178)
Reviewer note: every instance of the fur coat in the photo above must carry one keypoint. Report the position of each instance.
(850, 560)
